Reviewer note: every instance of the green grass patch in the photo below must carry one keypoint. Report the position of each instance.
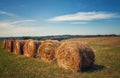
(107, 65)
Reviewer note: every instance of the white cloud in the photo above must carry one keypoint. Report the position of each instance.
(4, 24)
(79, 22)
(83, 16)
(16, 28)
(14, 23)
(18, 31)
(22, 21)
(8, 14)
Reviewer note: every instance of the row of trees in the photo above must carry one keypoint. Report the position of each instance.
(59, 37)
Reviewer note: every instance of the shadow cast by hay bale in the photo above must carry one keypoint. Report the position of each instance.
(94, 68)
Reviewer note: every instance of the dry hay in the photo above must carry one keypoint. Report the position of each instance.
(4, 43)
(18, 46)
(9, 45)
(30, 48)
(75, 56)
(47, 49)
(109, 41)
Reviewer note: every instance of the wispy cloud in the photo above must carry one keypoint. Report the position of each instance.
(83, 16)
(8, 14)
(14, 23)
(22, 21)
(19, 31)
(5, 25)
(17, 28)
(79, 22)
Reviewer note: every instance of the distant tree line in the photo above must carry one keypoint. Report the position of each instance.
(59, 37)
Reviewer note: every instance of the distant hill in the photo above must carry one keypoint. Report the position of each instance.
(60, 37)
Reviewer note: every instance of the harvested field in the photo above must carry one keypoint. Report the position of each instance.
(106, 64)
(108, 41)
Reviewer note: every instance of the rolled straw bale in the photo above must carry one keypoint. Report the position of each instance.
(47, 49)
(75, 56)
(4, 43)
(30, 48)
(9, 45)
(18, 46)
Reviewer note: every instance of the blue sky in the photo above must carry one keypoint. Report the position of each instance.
(58, 17)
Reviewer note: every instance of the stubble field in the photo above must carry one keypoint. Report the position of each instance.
(107, 62)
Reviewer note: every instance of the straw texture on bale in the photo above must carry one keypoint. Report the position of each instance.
(47, 49)
(30, 48)
(6, 47)
(9, 45)
(4, 44)
(75, 56)
(18, 46)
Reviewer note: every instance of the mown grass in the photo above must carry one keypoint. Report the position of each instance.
(107, 65)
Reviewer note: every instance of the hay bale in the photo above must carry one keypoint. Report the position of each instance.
(18, 46)
(9, 45)
(47, 49)
(75, 56)
(4, 43)
(30, 48)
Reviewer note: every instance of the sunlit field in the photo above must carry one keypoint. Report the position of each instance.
(107, 65)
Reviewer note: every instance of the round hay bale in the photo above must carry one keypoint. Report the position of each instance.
(47, 49)
(9, 45)
(75, 56)
(4, 43)
(30, 48)
(18, 46)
